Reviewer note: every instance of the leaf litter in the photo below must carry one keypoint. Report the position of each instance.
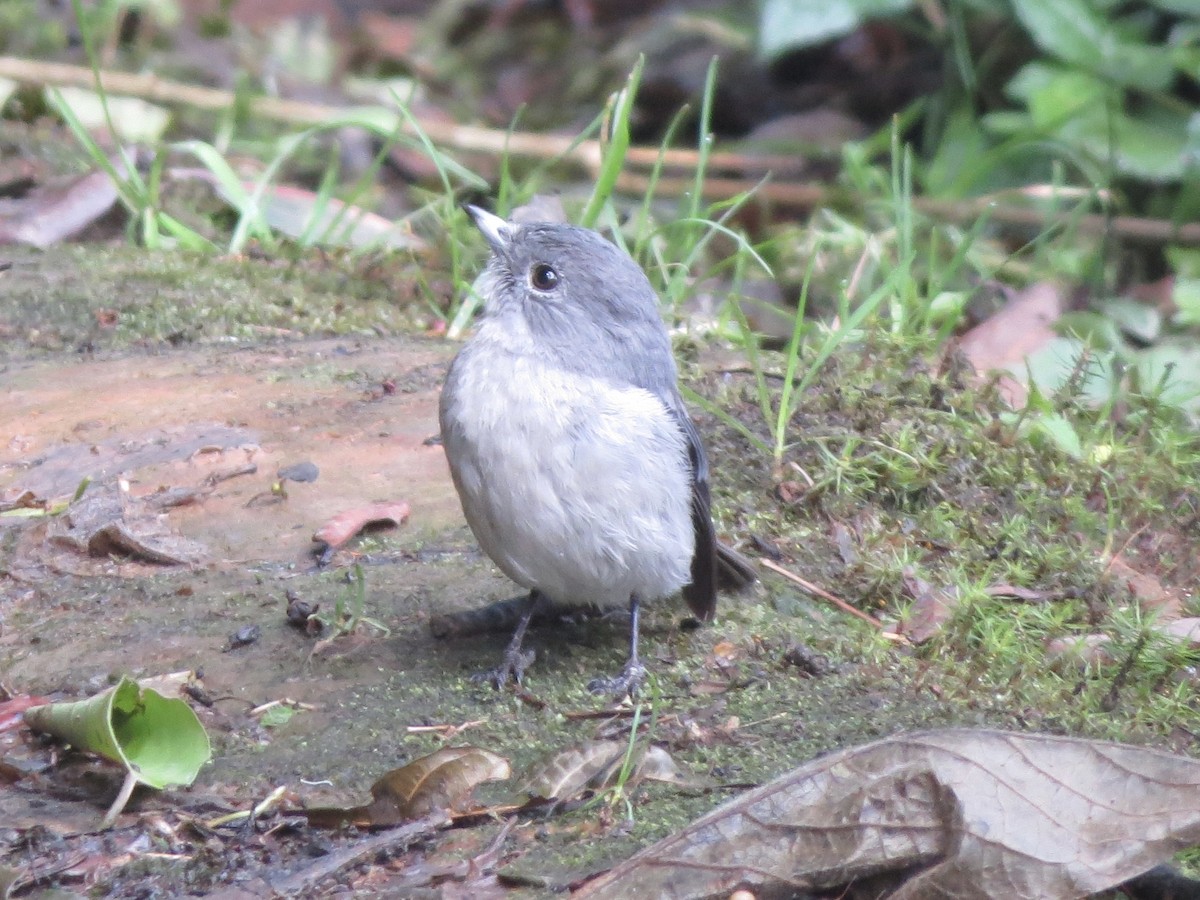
(955, 813)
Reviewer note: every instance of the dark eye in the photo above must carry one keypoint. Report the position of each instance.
(543, 277)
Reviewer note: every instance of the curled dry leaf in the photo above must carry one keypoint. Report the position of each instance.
(346, 525)
(958, 814)
(597, 764)
(566, 774)
(440, 782)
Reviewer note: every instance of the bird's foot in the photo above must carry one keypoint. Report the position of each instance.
(628, 682)
(513, 667)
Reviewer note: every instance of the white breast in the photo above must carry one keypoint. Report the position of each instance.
(575, 487)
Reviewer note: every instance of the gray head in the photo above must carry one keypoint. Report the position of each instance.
(583, 301)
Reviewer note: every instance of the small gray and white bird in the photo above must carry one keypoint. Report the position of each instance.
(579, 470)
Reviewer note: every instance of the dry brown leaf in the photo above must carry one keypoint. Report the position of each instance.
(55, 213)
(569, 772)
(960, 814)
(598, 764)
(1083, 651)
(1184, 629)
(1021, 328)
(931, 608)
(345, 525)
(441, 781)
(1015, 592)
(1145, 589)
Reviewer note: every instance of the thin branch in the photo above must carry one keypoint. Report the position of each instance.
(587, 154)
(821, 592)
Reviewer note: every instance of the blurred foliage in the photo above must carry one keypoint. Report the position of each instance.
(1092, 92)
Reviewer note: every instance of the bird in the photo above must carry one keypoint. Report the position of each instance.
(579, 470)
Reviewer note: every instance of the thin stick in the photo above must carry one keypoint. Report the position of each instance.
(461, 137)
(821, 592)
(587, 154)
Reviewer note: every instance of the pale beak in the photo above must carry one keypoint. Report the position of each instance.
(495, 229)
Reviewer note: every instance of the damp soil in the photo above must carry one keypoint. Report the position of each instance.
(144, 414)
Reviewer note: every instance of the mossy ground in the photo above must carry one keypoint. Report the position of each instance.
(897, 462)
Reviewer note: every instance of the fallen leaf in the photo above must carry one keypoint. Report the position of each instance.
(52, 214)
(1022, 327)
(566, 774)
(1187, 629)
(440, 782)
(1145, 589)
(598, 764)
(1083, 651)
(958, 813)
(931, 608)
(102, 524)
(1013, 592)
(345, 525)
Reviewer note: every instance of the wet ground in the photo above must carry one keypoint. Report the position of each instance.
(190, 439)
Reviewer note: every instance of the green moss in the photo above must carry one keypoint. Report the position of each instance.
(90, 297)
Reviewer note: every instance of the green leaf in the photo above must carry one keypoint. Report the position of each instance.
(277, 715)
(1186, 296)
(158, 739)
(1088, 115)
(1138, 320)
(1075, 32)
(1061, 433)
(792, 24)
(1171, 371)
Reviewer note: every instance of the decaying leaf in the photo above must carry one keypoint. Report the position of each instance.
(932, 607)
(597, 764)
(55, 213)
(346, 525)
(1023, 327)
(105, 522)
(955, 814)
(441, 781)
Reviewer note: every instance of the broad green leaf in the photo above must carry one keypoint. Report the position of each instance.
(1171, 371)
(158, 739)
(792, 24)
(1075, 32)
(1061, 433)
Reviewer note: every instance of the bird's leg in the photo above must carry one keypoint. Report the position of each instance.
(515, 661)
(634, 673)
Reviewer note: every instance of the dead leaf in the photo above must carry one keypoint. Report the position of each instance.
(104, 523)
(598, 764)
(957, 813)
(1083, 651)
(54, 213)
(566, 774)
(1187, 629)
(440, 782)
(1003, 341)
(1145, 589)
(931, 608)
(1013, 592)
(345, 525)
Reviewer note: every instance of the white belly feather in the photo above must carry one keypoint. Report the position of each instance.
(559, 487)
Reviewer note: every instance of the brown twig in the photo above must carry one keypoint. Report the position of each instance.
(806, 195)
(820, 592)
(473, 138)
(588, 154)
(394, 840)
